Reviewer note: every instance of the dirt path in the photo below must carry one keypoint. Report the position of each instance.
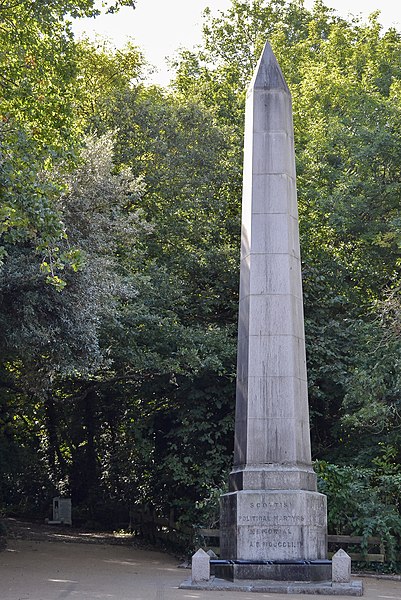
(41, 532)
(67, 570)
(60, 570)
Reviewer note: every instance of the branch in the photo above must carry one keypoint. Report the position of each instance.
(10, 6)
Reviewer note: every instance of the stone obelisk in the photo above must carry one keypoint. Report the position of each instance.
(272, 512)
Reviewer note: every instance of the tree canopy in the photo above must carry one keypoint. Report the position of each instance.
(120, 210)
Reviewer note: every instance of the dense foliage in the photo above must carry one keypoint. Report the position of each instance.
(120, 209)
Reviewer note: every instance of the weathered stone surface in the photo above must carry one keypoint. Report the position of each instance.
(200, 566)
(273, 525)
(271, 365)
(272, 478)
(273, 510)
(284, 571)
(341, 567)
(354, 588)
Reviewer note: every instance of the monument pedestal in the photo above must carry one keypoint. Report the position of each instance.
(273, 525)
(300, 571)
(274, 534)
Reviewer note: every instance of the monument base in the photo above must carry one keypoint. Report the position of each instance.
(319, 570)
(273, 525)
(327, 588)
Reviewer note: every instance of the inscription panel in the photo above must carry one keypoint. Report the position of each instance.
(281, 525)
(287, 519)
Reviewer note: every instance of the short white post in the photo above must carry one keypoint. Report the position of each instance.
(341, 567)
(200, 566)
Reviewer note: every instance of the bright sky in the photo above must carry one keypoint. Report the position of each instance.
(160, 27)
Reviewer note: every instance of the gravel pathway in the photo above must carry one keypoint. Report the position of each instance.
(56, 568)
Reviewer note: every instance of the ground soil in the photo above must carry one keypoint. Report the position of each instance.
(45, 562)
(18, 529)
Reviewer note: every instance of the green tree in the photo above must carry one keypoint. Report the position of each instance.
(49, 336)
(38, 121)
(153, 298)
(344, 77)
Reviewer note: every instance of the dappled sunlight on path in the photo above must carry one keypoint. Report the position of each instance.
(32, 570)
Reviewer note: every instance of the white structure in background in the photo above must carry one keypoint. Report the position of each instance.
(61, 511)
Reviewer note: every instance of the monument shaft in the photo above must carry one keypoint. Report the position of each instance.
(272, 510)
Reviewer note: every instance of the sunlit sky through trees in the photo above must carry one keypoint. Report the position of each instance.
(159, 27)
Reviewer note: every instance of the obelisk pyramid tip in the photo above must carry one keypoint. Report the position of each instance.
(268, 75)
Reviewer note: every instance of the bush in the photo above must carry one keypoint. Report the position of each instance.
(363, 502)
